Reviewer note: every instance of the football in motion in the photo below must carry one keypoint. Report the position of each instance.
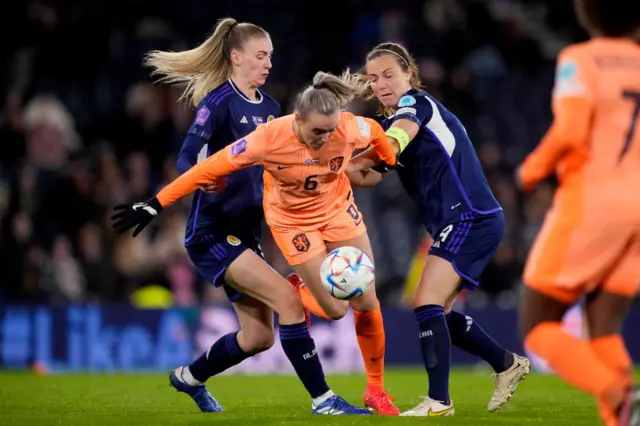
(347, 272)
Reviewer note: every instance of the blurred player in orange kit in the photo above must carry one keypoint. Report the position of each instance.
(308, 201)
(590, 241)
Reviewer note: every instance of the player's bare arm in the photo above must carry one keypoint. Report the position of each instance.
(365, 178)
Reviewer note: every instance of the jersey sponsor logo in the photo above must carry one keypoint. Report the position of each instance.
(283, 167)
(568, 79)
(301, 242)
(233, 240)
(336, 163)
(364, 127)
(270, 118)
(406, 101)
(202, 115)
(244, 120)
(239, 147)
(406, 110)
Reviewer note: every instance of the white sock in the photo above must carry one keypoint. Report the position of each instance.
(322, 398)
(185, 375)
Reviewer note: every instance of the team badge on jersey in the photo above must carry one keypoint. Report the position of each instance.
(202, 115)
(270, 118)
(336, 163)
(301, 242)
(233, 240)
(406, 101)
(239, 147)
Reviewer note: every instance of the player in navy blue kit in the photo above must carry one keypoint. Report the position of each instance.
(222, 77)
(439, 169)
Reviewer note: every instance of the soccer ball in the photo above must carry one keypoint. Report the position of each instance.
(347, 272)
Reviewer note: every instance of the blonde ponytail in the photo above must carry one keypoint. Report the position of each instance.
(329, 93)
(203, 68)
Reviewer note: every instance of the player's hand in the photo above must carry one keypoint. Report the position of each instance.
(138, 215)
(216, 187)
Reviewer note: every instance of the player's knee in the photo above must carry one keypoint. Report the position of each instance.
(337, 312)
(426, 298)
(262, 343)
(335, 309)
(289, 304)
(366, 303)
(435, 293)
(257, 340)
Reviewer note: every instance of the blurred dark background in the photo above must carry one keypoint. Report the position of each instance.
(82, 128)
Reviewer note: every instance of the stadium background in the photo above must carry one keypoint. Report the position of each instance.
(83, 128)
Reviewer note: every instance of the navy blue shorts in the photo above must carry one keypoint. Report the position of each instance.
(469, 244)
(212, 254)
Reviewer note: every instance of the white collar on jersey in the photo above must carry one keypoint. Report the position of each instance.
(243, 96)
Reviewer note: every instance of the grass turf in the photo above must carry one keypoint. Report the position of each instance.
(27, 399)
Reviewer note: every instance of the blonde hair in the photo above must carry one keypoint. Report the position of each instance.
(403, 59)
(207, 66)
(329, 93)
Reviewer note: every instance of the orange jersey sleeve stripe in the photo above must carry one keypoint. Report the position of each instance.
(570, 130)
(380, 143)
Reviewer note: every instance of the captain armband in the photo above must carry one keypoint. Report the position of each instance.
(400, 135)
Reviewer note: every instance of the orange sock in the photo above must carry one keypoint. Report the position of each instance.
(310, 302)
(612, 352)
(371, 339)
(574, 361)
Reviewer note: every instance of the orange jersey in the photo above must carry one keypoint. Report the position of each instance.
(591, 235)
(594, 141)
(305, 186)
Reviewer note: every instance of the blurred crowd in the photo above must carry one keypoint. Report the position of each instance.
(83, 128)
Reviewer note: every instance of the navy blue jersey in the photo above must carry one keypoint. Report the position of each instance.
(222, 117)
(441, 171)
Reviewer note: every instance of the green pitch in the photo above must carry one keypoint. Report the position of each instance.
(27, 399)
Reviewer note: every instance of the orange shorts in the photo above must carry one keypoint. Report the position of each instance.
(298, 244)
(577, 255)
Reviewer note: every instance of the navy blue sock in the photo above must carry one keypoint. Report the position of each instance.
(225, 353)
(436, 349)
(301, 351)
(467, 335)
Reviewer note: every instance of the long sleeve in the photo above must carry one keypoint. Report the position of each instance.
(188, 155)
(570, 130)
(373, 134)
(246, 152)
(572, 115)
(208, 118)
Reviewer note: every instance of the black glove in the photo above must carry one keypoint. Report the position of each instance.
(140, 214)
(383, 167)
